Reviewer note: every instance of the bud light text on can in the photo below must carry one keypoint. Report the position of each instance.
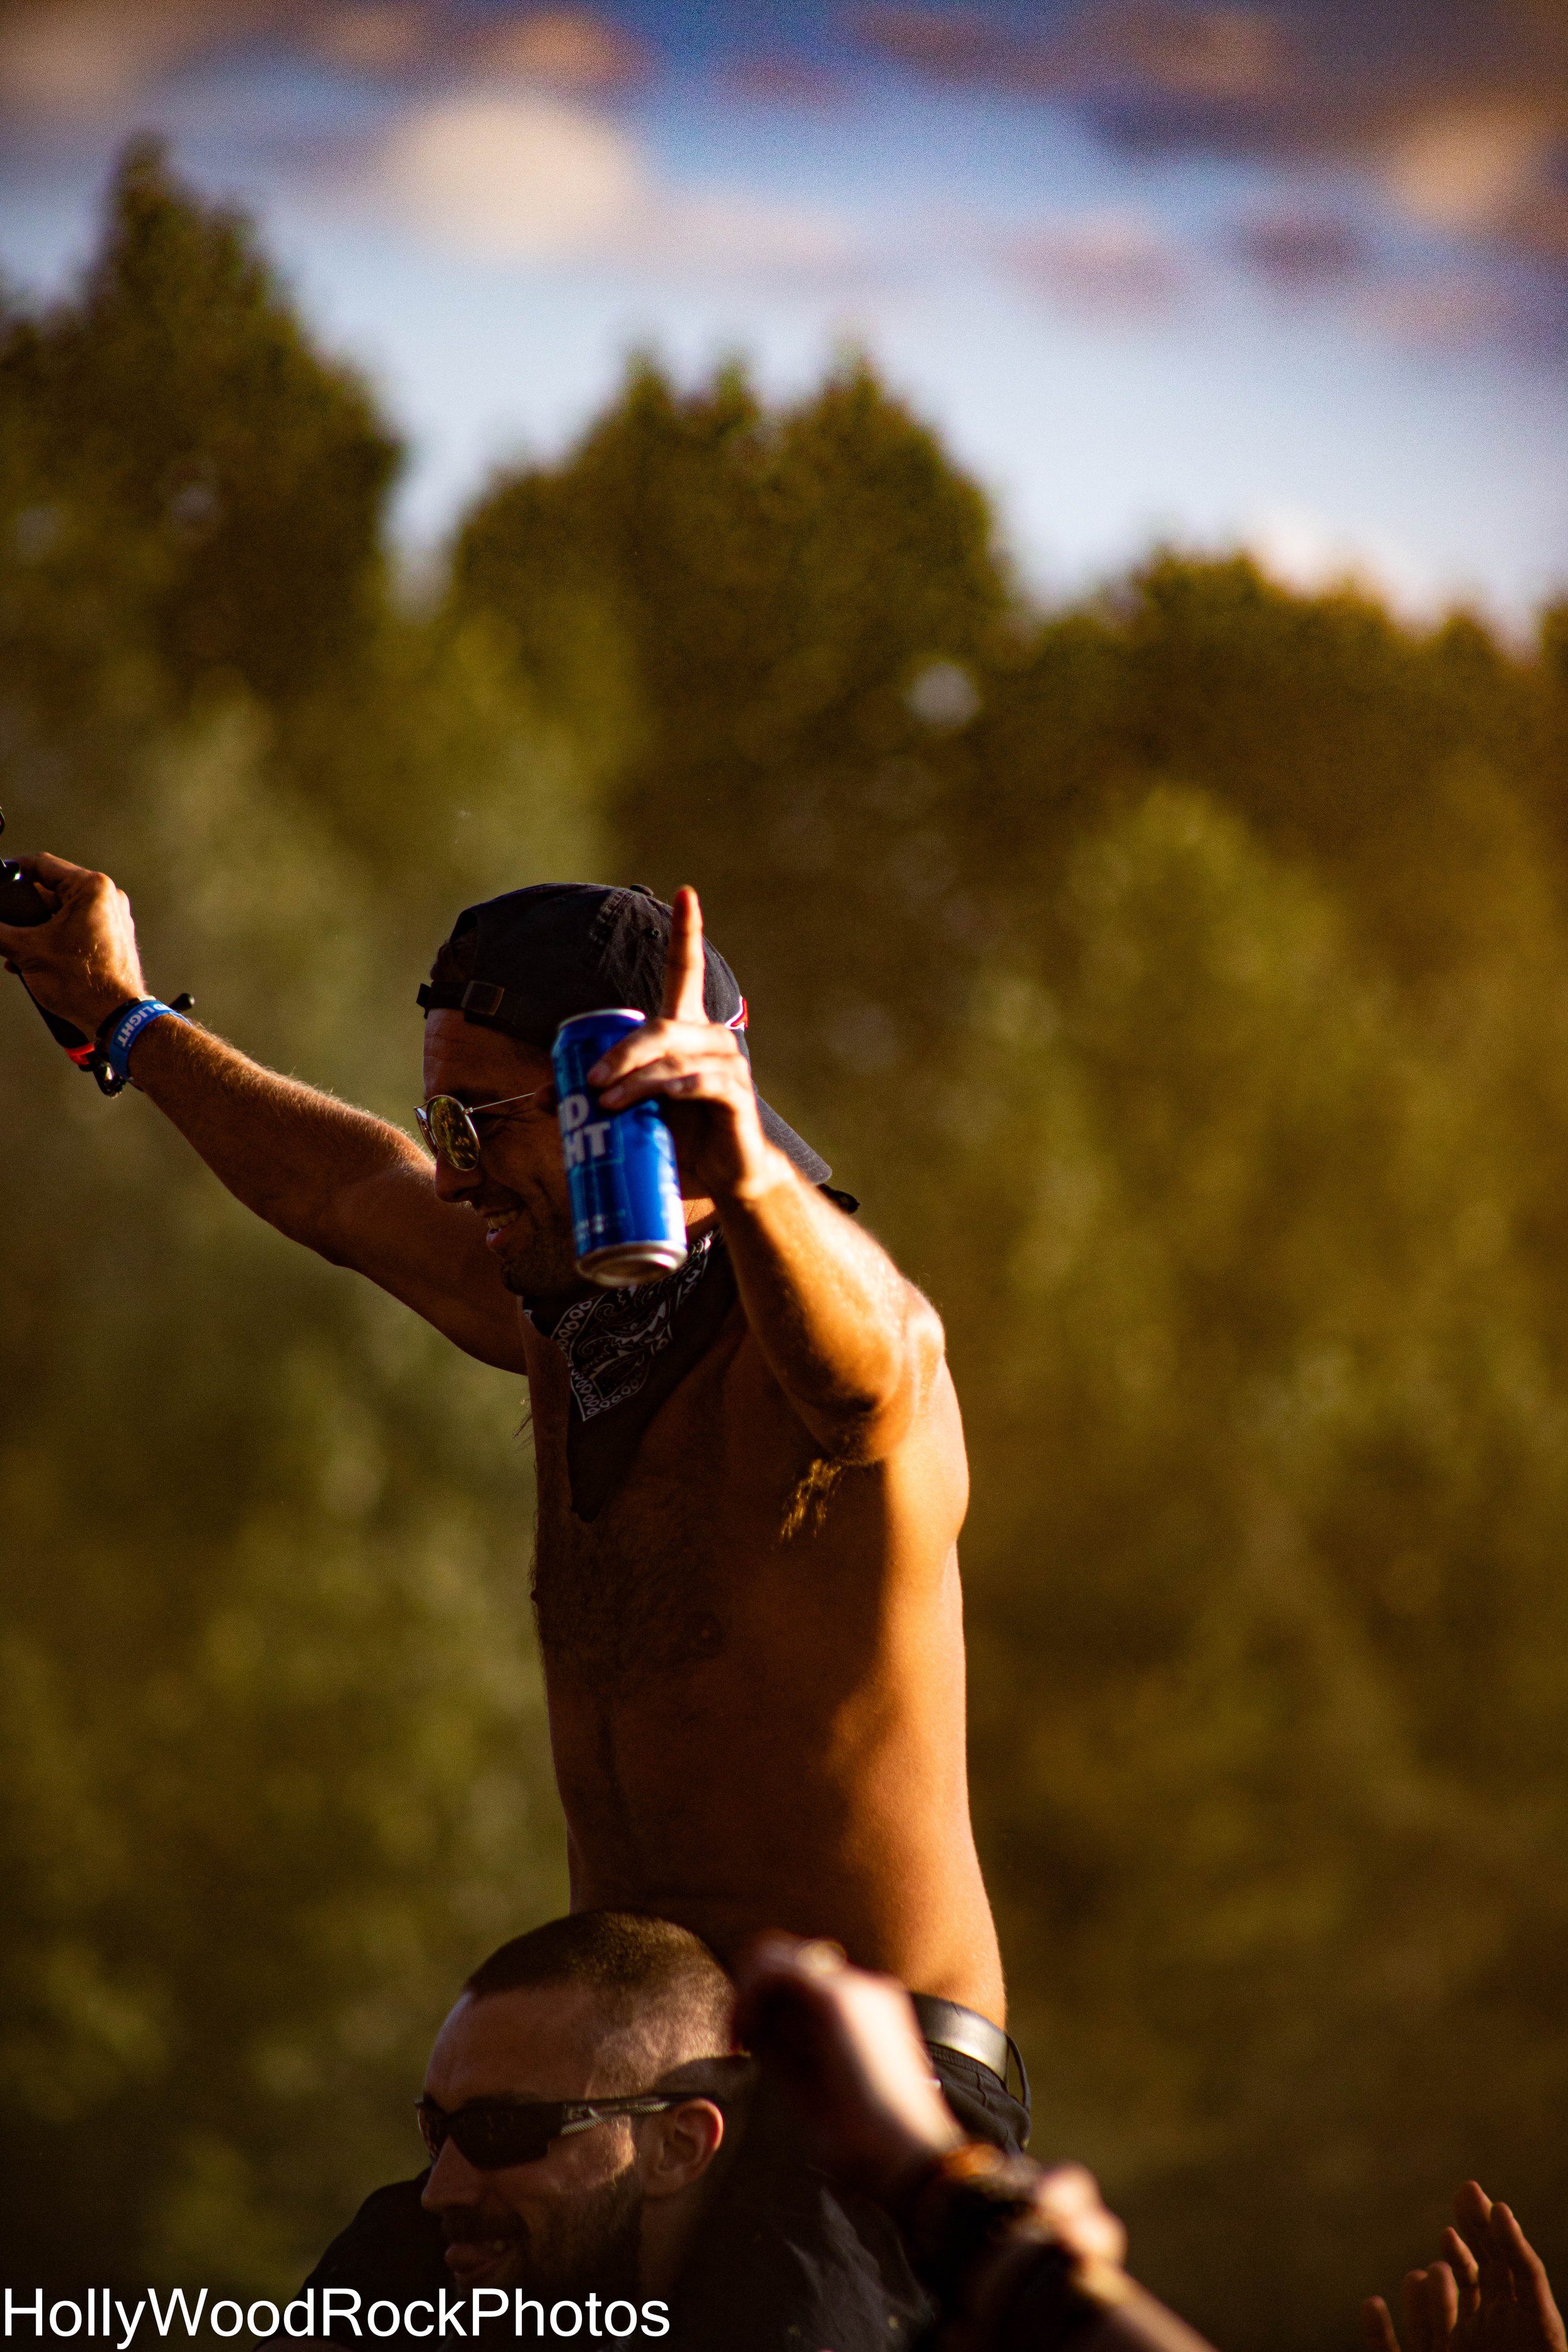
(627, 1223)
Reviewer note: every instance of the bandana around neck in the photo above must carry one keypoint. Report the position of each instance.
(626, 1351)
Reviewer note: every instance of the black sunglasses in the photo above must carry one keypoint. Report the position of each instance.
(494, 2134)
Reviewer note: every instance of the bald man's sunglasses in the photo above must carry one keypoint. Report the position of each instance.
(494, 2134)
(448, 1130)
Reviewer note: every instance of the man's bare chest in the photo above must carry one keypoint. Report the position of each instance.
(655, 1584)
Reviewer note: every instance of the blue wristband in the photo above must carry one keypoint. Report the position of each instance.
(128, 1028)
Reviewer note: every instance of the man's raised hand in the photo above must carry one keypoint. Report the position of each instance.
(1489, 2292)
(847, 2046)
(83, 962)
(696, 1069)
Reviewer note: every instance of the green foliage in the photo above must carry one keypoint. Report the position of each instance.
(1182, 978)
(178, 419)
(280, 1760)
(275, 1754)
(1271, 1631)
(776, 586)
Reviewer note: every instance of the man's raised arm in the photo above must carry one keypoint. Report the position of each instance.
(855, 1347)
(343, 1183)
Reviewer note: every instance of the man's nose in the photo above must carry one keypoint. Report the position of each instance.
(453, 2181)
(455, 1183)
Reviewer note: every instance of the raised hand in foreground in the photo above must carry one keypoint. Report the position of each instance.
(1488, 2291)
(1015, 2257)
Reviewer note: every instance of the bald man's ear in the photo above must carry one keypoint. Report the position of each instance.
(675, 2148)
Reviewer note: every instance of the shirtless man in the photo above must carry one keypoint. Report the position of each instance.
(751, 1475)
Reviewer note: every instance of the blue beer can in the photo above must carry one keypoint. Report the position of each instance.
(627, 1223)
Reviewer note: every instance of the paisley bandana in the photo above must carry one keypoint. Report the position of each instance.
(626, 1351)
(610, 1341)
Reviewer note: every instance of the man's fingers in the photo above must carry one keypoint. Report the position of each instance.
(775, 1988)
(671, 1073)
(1531, 2286)
(1069, 2198)
(693, 1041)
(43, 865)
(683, 963)
(1376, 2326)
(12, 935)
(1462, 2262)
(1442, 2303)
(1472, 2215)
(1418, 2322)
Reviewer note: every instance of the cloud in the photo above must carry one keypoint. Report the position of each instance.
(88, 60)
(81, 61)
(383, 36)
(1477, 167)
(569, 50)
(1110, 266)
(1437, 312)
(520, 178)
(1457, 110)
(1305, 550)
(1217, 54)
(1302, 248)
(525, 177)
(1210, 56)
(957, 44)
(1452, 309)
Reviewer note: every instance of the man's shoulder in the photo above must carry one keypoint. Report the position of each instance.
(391, 2248)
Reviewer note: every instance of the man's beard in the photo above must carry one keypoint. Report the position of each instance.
(590, 2243)
(546, 1270)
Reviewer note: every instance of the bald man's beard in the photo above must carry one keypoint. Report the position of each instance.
(591, 2245)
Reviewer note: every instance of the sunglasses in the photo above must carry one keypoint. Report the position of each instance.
(448, 1130)
(494, 2134)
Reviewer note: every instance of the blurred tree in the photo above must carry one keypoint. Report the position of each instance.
(1271, 1641)
(179, 415)
(798, 602)
(274, 1748)
(280, 1769)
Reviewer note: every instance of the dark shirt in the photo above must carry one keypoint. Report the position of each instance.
(784, 2261)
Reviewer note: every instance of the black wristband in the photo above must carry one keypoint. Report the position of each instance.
(105, 1027)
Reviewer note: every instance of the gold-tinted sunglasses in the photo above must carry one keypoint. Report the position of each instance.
(448, 1130)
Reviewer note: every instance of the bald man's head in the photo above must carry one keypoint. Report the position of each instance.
(663, 1998)
(600, 2006)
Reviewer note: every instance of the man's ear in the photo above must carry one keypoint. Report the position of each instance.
(675, 2148)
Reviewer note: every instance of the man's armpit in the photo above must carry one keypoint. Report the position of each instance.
(805, 1505)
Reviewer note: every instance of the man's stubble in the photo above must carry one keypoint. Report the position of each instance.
(593, 2243)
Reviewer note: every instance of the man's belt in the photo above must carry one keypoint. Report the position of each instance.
(953, 2027)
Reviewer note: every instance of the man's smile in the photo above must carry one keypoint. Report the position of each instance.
(480, 2246)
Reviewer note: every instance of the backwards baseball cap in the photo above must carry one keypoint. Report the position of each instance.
(557, 949)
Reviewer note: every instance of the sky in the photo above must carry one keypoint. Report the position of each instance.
(1290, 277)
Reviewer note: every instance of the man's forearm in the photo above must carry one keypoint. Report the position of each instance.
(853, 1347)
(286, 1151)
(342, 1182)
